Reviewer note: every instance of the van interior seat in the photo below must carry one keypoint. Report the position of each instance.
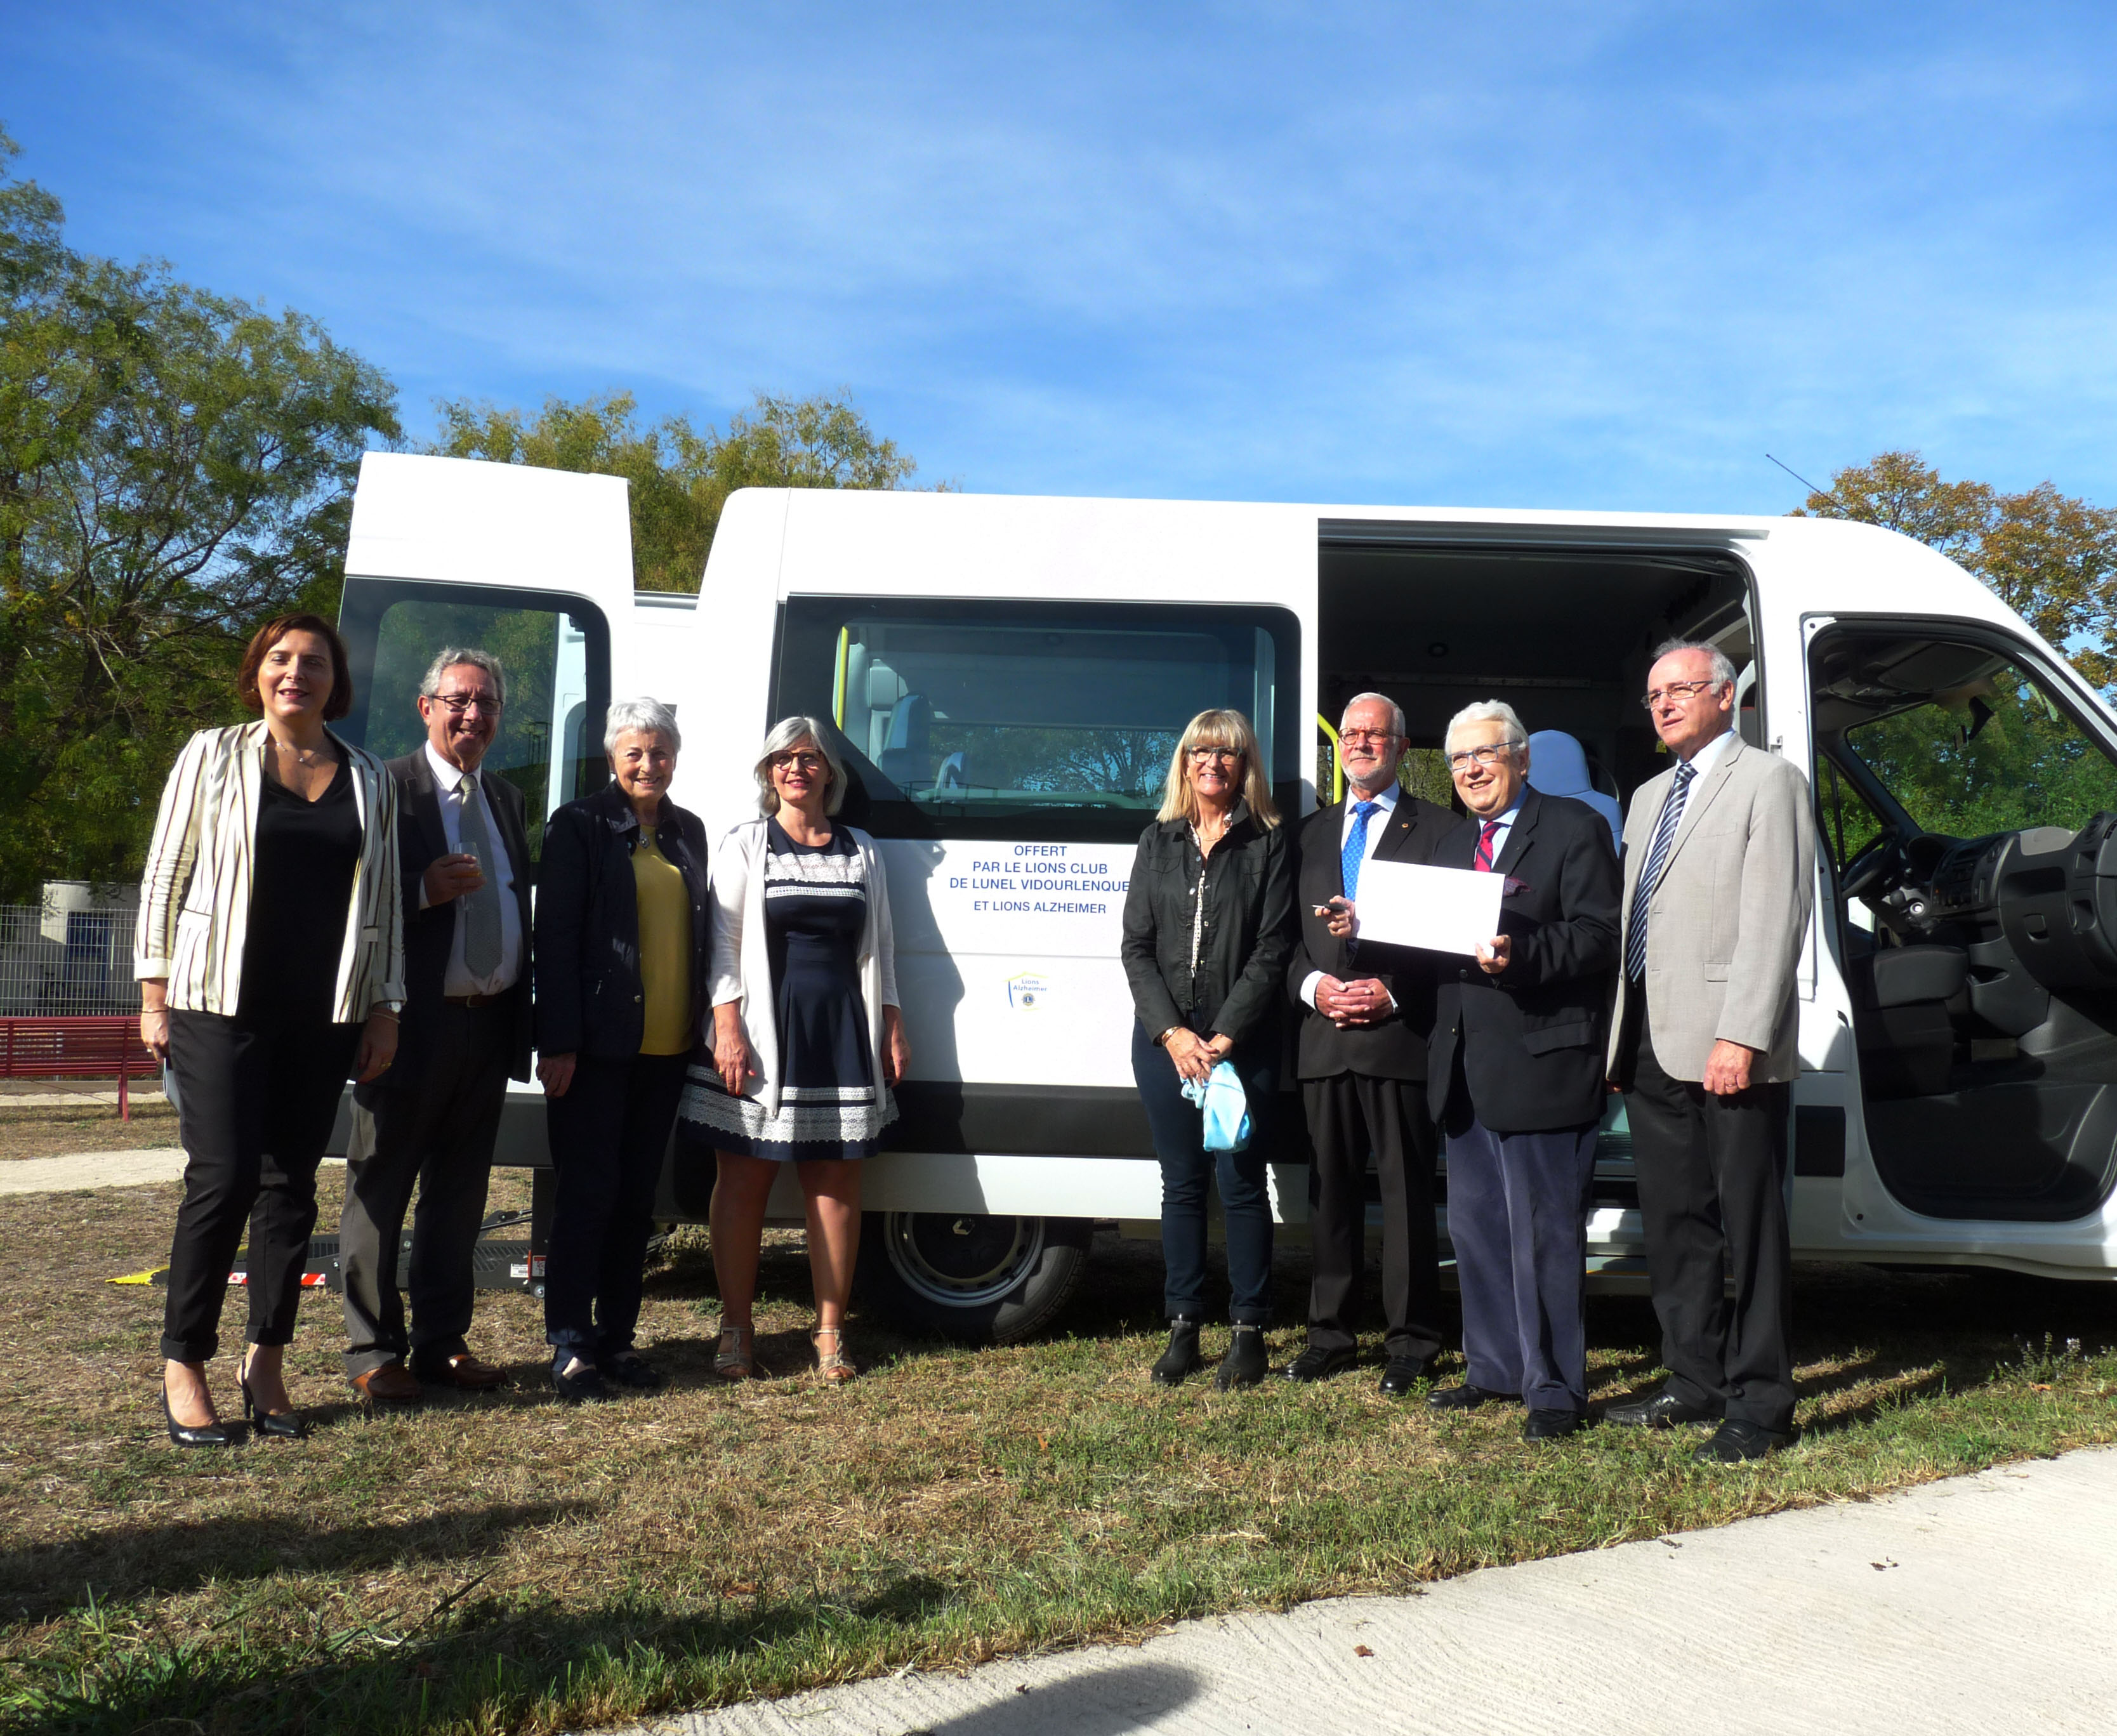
(1558, 766)
(908, 757)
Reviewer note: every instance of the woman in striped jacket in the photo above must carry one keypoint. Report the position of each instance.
(270, 959)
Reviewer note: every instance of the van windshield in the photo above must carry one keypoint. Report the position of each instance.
(1052, 720)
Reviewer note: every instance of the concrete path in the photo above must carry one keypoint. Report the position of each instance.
(85, 1169)
(1984, 1604)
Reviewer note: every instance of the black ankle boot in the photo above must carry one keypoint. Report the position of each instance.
(1244, 1364)
(1182, 1356)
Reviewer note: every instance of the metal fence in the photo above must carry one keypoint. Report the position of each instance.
(65, 962)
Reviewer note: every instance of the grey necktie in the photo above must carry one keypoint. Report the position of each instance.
(1664, 835)
(480, 910)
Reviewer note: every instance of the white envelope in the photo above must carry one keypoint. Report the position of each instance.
(1406, 904)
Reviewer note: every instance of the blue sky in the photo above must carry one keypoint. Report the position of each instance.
(1591, 255)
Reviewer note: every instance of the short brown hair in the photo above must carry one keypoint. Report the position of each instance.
(340, 701)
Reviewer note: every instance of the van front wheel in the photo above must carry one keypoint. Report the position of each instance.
(978, 1280)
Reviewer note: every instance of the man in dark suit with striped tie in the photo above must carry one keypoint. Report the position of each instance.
(1515, 1076)
(1365, 1014)
(432, 1119)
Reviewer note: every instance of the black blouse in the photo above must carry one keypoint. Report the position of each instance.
(300, 889)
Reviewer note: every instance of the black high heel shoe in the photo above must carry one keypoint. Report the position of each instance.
(279, 1424)
(180, 1435)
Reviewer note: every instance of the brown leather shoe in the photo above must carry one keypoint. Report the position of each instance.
(391, 1383)
(462, 1370)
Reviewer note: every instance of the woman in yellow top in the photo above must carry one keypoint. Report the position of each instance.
(623, 932)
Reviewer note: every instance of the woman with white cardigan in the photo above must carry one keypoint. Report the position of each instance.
(807, 1038)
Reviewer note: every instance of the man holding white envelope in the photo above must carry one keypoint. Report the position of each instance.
(1514, 1074)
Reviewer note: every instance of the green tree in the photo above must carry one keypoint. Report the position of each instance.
(2050, 558)
(175, 465)
(681, 475)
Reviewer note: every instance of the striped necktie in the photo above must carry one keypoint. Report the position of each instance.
(480, 909)
(1482, 861)
(1664, 835)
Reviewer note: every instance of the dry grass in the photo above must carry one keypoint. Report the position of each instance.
(505, 1564)
(31, 1128)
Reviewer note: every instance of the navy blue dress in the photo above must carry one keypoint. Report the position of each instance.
(830, 1103)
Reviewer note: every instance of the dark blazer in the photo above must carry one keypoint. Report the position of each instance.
(589, 999)
(1248, 926)
(429, 933)
(1531, 1036)
(1395, 1047)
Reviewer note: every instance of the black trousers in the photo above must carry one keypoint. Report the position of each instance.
(1349, 1115)
(1712, 1181)
(609, 1134)
(255, 1106)
(1188, 1169)
(438, 1133)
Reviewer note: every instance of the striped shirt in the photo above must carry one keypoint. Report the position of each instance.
(195, 890)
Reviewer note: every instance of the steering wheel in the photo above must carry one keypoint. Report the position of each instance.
(1870, 867)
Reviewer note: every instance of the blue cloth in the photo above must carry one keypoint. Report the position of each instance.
(1355, 851)
(1227, 1107)
(1664, 835)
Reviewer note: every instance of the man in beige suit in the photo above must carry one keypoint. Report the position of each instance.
(1719, 863)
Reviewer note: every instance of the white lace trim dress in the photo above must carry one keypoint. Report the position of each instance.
(830, 1104)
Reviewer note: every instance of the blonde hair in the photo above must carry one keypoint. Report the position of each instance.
(788, 733)
(1219, 730)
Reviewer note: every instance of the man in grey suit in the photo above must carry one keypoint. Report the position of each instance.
(462, 860)
(1719, 866)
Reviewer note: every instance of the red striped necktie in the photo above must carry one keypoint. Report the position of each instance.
(1482, 862)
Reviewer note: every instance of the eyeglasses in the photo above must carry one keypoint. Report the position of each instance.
(1373, 735)
(1675, 690)
(791, 761)
(459, 703)
(1487, 756)
(1225, 756)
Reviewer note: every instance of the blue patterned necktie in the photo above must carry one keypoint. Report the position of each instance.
(1664, 835)
(1356, 847)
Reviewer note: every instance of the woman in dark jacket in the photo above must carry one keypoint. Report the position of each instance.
(1208, 922)
(623, 929)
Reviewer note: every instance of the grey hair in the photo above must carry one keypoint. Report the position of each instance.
(643, 714)
(790, 732)
(1489, 710)
(1723, 671)
(1396, 712)
(451, 656)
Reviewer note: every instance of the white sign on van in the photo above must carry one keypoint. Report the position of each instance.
(1029, 899)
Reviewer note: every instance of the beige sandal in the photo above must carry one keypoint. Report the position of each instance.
(832, 1365)
(736, 1358)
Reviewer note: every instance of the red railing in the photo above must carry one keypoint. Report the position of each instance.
(76, 1048)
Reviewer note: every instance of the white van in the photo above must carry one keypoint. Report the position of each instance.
(1008, 676)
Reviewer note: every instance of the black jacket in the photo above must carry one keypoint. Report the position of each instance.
(430, 933)
(589, 1000)
(1395, 1047)
(1531, 1039)
(1247, 931)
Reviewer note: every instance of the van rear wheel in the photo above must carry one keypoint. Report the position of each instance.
(979, 1280)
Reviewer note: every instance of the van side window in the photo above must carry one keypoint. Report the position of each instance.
(557, 661)
(1053, 721)
(1972, 745)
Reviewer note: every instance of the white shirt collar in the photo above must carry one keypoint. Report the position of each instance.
(1707, 757)
(448, 776)
(1386, 799)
